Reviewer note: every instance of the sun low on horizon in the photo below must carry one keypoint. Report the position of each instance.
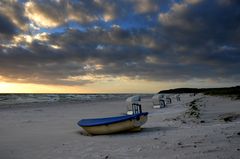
(134, 86)
(122, 46)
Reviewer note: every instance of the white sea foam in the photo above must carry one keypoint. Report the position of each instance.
(10, 99)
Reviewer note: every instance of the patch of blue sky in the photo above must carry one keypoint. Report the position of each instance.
(60, 29)
(77, 26)
(130, 22)
(22, 1)
(137, 21)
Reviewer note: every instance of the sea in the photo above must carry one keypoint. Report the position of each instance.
(16, 99)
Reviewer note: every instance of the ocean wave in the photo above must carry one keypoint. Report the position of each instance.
(12, 99)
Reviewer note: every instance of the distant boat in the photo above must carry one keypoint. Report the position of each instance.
(99, 126)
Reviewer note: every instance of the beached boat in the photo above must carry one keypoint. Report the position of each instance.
(98, 126)
(116, 124)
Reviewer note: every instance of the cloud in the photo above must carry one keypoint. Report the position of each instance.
(51, 14)
(199, 29)
(14, 11)
(142, 6)
(6, 26)
(191, 39)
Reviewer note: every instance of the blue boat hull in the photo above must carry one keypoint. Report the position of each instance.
(110, 125)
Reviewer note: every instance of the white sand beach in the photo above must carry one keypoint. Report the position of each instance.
(50, 131)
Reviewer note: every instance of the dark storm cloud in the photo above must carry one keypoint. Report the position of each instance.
(14, 11)
(202, 22)
(38, 67)
(174, 41)
(205, 34)
(6, 26)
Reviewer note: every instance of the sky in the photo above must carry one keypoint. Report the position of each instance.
(118, 46)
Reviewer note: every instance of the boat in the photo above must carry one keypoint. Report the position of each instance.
(109, 125)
